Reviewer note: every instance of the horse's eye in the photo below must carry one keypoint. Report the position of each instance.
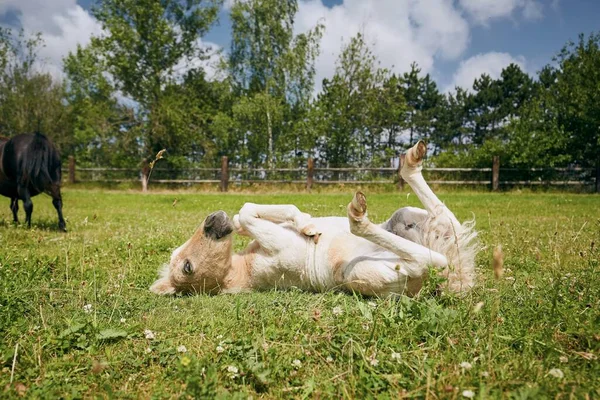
(187, 267)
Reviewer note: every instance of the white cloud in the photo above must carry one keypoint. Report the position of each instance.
(62, 23)
(210, 63)
(490, 63)
(400, 31)
(482, 11)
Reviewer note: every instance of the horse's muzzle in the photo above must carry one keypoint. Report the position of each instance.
(217, 225)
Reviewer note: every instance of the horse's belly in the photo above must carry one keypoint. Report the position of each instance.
(7, 188)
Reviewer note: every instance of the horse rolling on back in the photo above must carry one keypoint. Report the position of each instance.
(30, 165)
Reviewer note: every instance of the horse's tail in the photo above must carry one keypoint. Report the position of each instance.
(39, 165)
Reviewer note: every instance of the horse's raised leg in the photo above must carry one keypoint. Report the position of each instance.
(24, 195)
(57, 203)
(14, 207)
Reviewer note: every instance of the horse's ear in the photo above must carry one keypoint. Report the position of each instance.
(163, 286)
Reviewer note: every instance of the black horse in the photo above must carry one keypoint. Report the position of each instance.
(30, 165)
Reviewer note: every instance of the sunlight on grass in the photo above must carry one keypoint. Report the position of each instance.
(78, 306)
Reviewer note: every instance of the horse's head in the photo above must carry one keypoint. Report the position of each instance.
(200, 264)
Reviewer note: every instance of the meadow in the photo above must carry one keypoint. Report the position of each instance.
(77, 319)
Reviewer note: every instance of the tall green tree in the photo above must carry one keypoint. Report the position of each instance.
(30, 99)
(144, 45)
(272, 69)
(349, 106)
(104, 129)
(422, 99)
(577, 91)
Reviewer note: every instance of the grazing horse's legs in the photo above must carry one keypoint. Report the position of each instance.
(27, 203)
(14, 207)
(57, 202)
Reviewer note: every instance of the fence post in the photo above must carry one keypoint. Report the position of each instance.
(400, 164)
(71, 169)
(495, 173)
(224, 174)
(310, 166)
(145, 175)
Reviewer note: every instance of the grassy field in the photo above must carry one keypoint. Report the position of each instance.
(77, 319)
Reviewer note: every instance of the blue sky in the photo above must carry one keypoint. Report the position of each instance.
(454, 40)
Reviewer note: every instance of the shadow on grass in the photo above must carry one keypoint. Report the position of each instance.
(42, 224)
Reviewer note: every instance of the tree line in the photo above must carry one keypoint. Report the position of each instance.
(143, 86)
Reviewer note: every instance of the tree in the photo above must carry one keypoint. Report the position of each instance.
(145, 43)
(422, 99)
(577, 91)
(272, 70)
(30, 100)
(104, 130)
(348, 106)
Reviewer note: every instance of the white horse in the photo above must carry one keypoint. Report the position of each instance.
(292, 249)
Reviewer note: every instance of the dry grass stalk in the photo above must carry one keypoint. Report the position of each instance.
(498, 262)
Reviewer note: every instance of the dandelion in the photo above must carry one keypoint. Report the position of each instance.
(466, 365)
(478, 307)
(337, 311)
(185, 361)
(220, 349)
(149, 334)
(469, 394)
(395, 356)
(87, 308)
(123, 320)
(557, 373)
(297, 363)
(181, 349)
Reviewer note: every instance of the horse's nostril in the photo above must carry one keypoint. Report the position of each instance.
(217, 225)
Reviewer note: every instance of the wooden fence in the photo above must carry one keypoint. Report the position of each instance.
(312, 176)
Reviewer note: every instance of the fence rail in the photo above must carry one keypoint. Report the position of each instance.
(311, 175)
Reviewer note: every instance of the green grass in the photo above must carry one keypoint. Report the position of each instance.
(543, 314)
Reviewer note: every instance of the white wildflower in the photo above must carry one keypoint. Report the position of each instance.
(485, 374)
(329, 359)
(510, 278)
(395, 356)
(466, 365)
(557, 373)
(564, 359)
(233, 370)
(149, 334)
(372, 304)
(87, 308)
(181, 349)
(148, 350)
(123, 320)
(337, 310)
(220, 337)
(469, 394)
(373, 361)
(297, 363)
(220, 349)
